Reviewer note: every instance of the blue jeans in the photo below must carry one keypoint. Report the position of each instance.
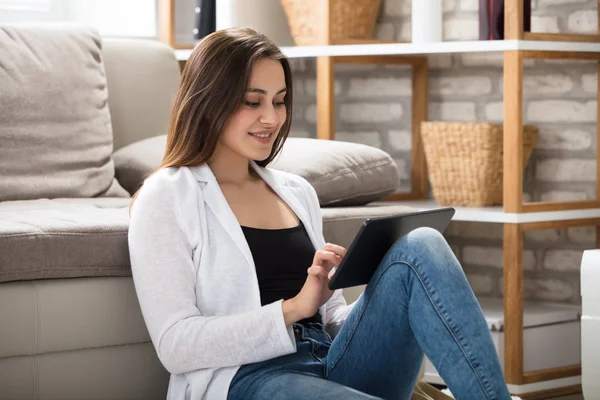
(418, 301)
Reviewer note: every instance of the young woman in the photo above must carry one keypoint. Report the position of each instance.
(231, 268)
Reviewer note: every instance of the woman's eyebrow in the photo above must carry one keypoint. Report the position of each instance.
(261, 91)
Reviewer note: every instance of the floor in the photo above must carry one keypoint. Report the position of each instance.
(571, 397)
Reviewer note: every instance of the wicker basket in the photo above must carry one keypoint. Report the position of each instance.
(464, 161)
(350, 19)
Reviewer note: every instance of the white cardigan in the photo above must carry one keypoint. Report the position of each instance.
(196, 282)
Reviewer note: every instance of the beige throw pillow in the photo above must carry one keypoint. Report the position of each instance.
(55, 130)
(342, 173)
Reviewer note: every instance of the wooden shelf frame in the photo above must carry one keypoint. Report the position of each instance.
(419, 110)
(514, 303)
(513, 134)
(514, 27)
(166, 25)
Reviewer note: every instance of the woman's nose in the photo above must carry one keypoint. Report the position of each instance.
(269, 115)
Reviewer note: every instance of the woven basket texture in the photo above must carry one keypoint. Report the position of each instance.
(464, 161)
(350, 19)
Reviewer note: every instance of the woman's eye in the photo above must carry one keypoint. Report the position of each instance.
(279, 104)
(252, 104)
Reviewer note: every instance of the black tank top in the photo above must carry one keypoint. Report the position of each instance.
(281, 257)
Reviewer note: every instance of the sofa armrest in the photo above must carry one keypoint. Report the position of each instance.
(134, 162)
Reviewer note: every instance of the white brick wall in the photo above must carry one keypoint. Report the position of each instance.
(545, 235)
(547, 84)
(355, 113)
(583, 234)
(403, 169)
(548, 3)
(573, 170)
(457, 111)
(369, 138)
(481, 284)
(562, 111)
(461, 29)
(494, 111)
(461, 86)
(400, 140)
(561, 195)
(584, 21)
(493, 257)
(474, 230)
(562, 260)
(570, 139)
(548, 289)
(589, 82)
(378, 87)
(469, 5)
(544, 24)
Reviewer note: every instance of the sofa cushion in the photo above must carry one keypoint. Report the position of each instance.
(342, 173)
(73, 238)
(136, 160)
(56, 131)
(63, 238)
(55, 315)
(142, 78)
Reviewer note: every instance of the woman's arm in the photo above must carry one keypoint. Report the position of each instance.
(336, 307)
(165, 279)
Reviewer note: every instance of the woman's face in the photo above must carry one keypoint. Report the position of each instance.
(252, 129)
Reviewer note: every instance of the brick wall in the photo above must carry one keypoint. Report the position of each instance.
(373, 107)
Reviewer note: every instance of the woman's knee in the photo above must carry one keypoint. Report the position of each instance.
(424, 239)
(422, 246)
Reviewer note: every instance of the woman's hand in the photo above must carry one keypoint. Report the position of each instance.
(315, 291)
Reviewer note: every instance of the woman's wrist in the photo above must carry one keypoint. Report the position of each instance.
(290, 312)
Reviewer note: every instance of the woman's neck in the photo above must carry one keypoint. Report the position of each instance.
(231, 169)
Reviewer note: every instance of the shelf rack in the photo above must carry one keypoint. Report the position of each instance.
(515, 215)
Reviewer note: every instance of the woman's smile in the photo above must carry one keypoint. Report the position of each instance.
(263, 137)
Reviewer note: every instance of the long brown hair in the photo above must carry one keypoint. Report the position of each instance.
(213, 86)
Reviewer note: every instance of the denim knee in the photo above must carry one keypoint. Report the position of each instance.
(422, 240)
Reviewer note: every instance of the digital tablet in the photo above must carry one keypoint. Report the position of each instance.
(375, 238)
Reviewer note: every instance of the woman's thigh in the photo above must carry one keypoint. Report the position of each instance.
(300, 375)
(293, 385)
(376, 351)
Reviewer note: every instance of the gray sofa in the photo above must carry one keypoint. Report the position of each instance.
(70, 324)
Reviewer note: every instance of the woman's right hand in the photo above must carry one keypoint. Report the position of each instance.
(315, 291)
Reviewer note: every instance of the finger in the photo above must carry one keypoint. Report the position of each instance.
(326, 259)
(317, 271)
(337, 249)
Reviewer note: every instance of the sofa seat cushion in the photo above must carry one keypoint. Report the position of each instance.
(63, 238)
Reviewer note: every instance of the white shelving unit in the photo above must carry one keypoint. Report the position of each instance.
(497, 214)
(454, 47)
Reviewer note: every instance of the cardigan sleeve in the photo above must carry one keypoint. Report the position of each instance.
(336, 308)
(161, 244)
